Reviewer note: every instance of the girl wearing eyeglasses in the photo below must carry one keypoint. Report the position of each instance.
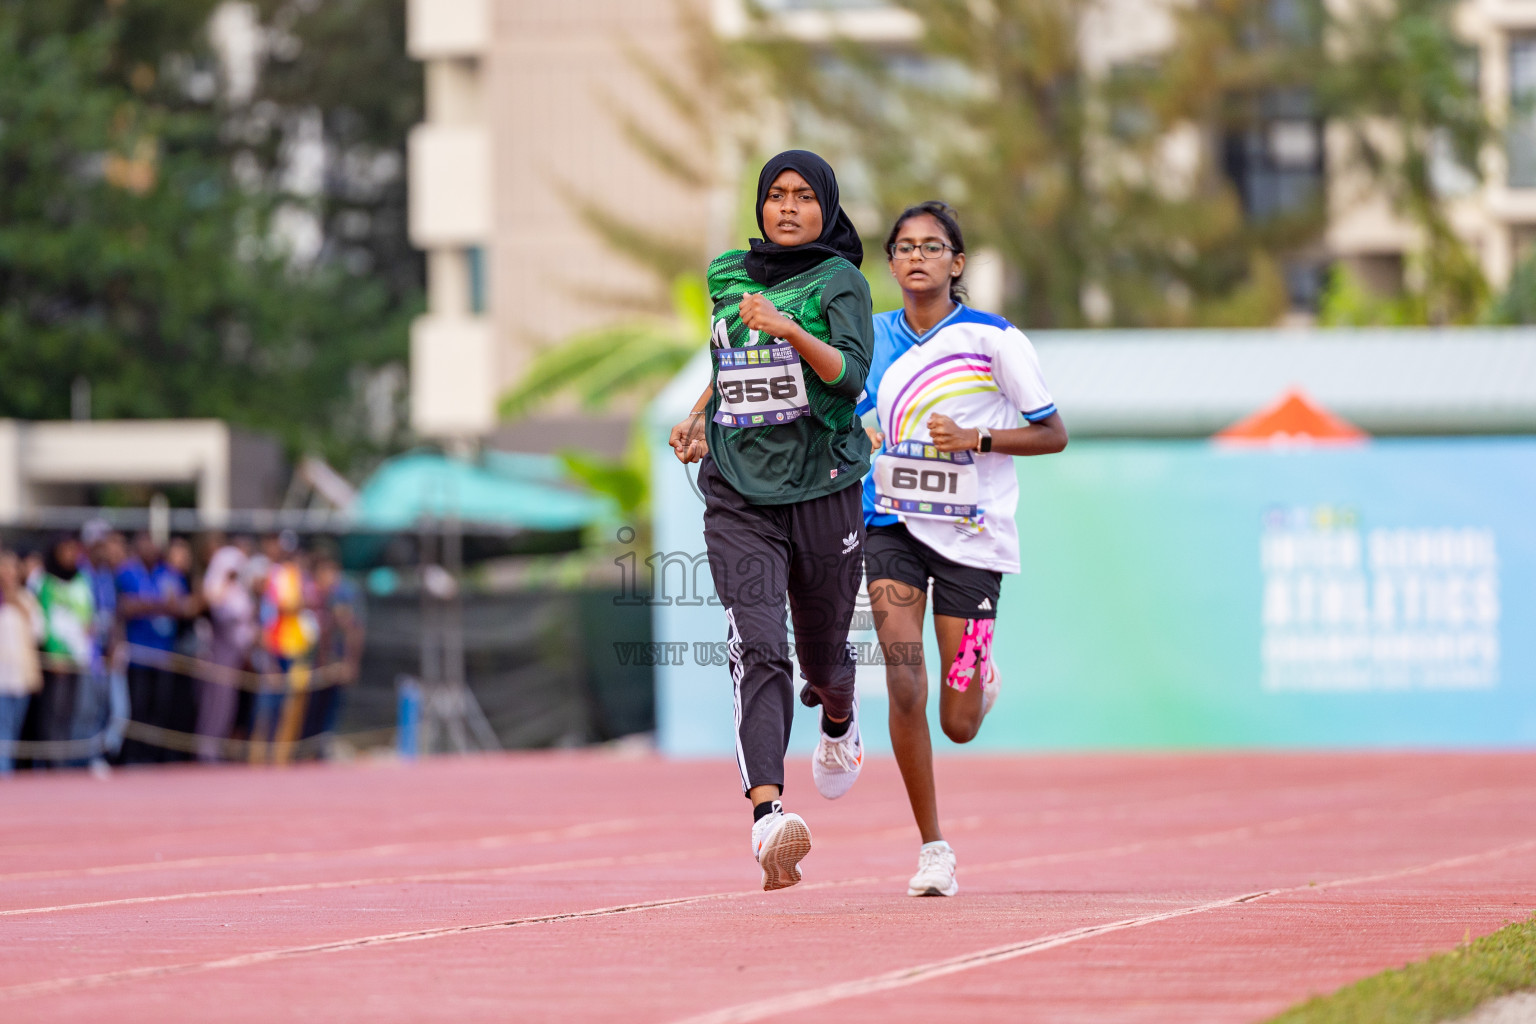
(956, 392)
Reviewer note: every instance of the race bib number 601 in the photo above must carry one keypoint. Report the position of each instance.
(914, 479)
(760, 386)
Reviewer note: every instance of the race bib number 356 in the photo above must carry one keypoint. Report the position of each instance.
(760, 385)
(914, 479)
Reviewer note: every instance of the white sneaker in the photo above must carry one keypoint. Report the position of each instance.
(935, 871)
(989, 688)
(779, 842)
(836, 763)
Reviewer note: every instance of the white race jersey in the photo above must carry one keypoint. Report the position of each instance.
(980, 371)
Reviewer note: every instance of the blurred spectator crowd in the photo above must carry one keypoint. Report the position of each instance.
(121, 650)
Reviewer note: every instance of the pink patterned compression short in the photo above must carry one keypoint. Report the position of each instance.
(975, 652)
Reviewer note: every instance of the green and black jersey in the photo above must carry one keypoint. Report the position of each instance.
(826, 449)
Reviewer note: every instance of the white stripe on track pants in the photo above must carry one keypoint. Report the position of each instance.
(811, 552)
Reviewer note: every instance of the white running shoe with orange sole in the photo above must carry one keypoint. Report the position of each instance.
(780, 842)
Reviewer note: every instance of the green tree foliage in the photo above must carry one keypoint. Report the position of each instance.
(1518, 303)
(1105, 188)
(342, 65)
(134, 255)
(1347, 302)
(1067, 169)
(1400, 63)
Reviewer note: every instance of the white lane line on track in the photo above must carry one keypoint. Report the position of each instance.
(1235, 833)
(353, 883)
(1046, 816)
(131, 974)
(545, 835)
(904, 976)
(268, 955)
(618, 825)
(1034, 860)
(579, 831)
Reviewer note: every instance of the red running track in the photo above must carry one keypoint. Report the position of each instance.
(589, 887)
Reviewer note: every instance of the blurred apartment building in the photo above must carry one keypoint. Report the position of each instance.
(521, 126)
(1497, 216)
(1291, 155)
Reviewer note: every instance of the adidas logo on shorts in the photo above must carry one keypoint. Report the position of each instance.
(985, 606)
(850, 542)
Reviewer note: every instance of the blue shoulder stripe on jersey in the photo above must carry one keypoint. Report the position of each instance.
(967, 315)
(1044, 412)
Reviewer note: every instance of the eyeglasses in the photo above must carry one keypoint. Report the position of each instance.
(929, 250)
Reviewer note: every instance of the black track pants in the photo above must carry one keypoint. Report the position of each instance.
(813, 552)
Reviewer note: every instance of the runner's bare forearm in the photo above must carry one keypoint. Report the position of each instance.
(823, 358)
(1046, 437)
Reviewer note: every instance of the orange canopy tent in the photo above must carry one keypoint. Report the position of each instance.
(1293, 418)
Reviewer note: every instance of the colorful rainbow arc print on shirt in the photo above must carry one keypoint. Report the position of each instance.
(965, 373)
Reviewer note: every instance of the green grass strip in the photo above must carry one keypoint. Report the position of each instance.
(1446, 986)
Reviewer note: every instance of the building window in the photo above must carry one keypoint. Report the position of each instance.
(1305, 280)
(1276, 163)
(474, 263)
(1522, 112)
(1453, 171)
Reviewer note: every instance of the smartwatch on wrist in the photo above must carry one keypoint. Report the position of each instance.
(983, 439)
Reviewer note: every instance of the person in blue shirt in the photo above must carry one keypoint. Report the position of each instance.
(178, 698)
(97, 539)
(147, 607)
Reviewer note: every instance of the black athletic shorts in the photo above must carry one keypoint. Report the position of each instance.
(961, 591)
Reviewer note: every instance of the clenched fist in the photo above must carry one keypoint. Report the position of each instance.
(759, 314)
(949, 436)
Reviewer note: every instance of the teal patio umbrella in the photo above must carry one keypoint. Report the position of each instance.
(504, 491)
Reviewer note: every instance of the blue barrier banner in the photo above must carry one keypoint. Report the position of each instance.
(1186, 595)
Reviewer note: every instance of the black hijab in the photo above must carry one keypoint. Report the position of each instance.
(770, 263)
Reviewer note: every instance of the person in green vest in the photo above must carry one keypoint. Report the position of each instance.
(781, 456)
(64, 593)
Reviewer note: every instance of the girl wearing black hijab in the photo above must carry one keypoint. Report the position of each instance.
(782, 457)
